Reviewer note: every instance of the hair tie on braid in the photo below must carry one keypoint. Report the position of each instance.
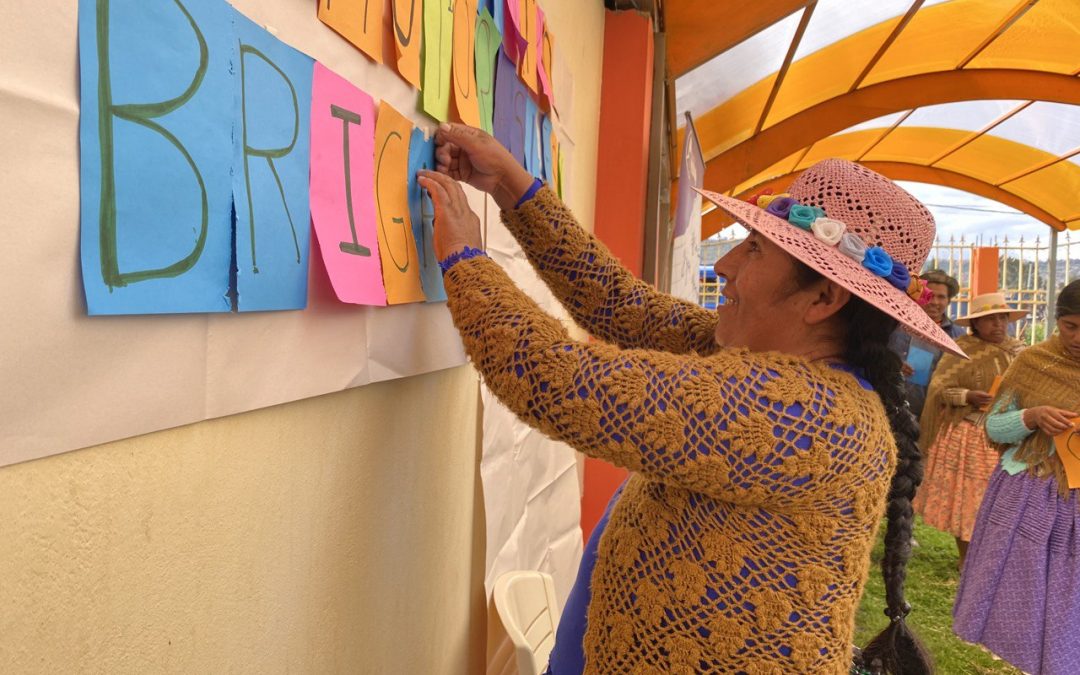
(900, 614)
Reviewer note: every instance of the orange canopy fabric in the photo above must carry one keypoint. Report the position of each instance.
(980, 95)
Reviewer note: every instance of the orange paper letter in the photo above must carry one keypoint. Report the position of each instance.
(527, 67)
(465, 99)
(397, 247)
(408, 29)
(358, 21)
(1068, 450)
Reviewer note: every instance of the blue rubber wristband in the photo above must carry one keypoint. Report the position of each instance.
(455, 258)
(531, 192)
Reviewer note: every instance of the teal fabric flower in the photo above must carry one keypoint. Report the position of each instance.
(804, 216)
(878, 261)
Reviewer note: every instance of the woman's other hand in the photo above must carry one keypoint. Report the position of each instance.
(456, 226)
(468, 154)
(1050, 420)
(978, 398)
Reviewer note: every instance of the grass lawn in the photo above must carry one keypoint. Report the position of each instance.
(931, 587)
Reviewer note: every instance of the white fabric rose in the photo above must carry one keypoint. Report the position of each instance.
(852, 246)
(828, 230)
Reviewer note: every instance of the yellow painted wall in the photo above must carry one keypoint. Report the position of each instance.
(339, 534)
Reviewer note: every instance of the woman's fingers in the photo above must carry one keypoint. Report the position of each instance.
(1059, 421)
(431, 182)
(450, 194)
(446, 156)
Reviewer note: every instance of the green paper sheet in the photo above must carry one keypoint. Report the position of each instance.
(438, 55)
(488, 40)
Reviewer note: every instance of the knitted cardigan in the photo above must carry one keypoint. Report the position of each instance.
(741, 542)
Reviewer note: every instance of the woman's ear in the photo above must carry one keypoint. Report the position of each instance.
(830, 297)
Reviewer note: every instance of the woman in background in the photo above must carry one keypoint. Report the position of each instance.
(959, 457)
(1019, 593)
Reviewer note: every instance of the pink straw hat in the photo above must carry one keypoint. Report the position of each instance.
(875, 217)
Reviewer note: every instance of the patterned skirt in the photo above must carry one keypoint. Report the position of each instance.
(1019, 593)
(958, 467)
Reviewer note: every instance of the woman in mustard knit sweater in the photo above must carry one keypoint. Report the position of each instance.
(761, 456)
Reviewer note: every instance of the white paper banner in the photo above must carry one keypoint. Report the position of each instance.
(686, 234)
(72, 381)
(531, 493)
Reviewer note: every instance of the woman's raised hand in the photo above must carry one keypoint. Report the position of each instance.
(468, 154)
(456, 226)
(1052, 421)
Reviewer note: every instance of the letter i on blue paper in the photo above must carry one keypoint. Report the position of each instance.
(422, 214)
(270, 184)
(155, 138)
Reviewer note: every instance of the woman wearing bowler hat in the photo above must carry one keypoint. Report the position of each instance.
(959, 456)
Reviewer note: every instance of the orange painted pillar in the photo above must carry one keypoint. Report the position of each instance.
(621, 185)
(984, 270)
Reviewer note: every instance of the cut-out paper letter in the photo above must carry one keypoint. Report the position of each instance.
(400, 267)
(1067, 445)
(438, 55)
(422, 213)
(556, 162)
(270, 180)
(510, 97)
(561, 178)
(498, 13)
(408, 36)
(465, 97)
(529, 44)
(546, 146)
(156, 148)
(488, 40)
(342, 187)
(532, 139)
(512, 31)
(358, 21)
(546, 60)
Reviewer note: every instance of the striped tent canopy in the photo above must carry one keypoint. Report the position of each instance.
(979, 95)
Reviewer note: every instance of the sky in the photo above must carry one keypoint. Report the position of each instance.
(960, 213)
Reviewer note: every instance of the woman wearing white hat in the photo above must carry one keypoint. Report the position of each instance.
(959, 456)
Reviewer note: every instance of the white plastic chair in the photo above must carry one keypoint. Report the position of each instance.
(525, 601)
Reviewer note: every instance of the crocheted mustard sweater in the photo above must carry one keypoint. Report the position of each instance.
(741, 542)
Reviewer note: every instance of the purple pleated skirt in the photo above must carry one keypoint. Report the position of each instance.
(1019, 592)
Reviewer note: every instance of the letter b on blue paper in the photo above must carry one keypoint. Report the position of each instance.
(155, 133)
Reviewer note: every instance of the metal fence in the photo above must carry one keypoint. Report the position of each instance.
(1024, 273)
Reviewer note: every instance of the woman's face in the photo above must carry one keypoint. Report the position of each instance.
(1069, 327)
(991, 328)
(761, 297)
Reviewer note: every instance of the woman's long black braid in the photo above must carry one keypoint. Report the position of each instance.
(896, 650)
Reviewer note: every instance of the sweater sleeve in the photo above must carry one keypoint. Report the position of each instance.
(747, 428)
(1005, 424)
(955, 396)
(600, 294)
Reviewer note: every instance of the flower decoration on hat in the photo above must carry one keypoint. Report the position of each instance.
(919, 291)
(828, 230)
(804, 216)
(834, 233)
(753, 199)
(780, 207)
(764, 200)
